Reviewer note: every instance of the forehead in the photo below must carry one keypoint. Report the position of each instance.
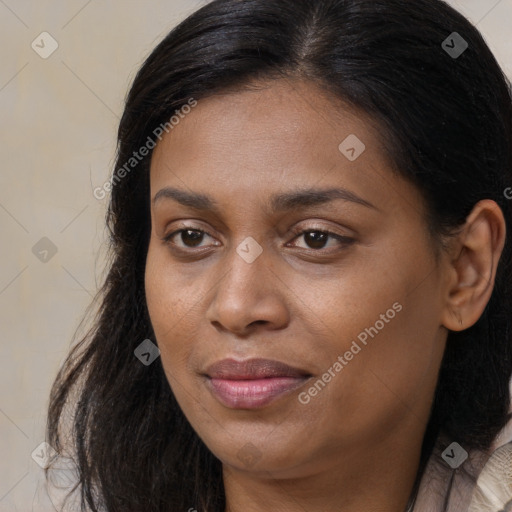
(266, 128)
(247, 144)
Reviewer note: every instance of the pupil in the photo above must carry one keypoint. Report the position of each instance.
(196, 237)
(316, 240)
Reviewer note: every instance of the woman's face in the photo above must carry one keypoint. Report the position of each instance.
(312, 256)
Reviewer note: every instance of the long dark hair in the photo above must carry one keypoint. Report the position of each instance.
(446, 120)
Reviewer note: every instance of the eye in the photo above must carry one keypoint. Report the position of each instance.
(316, 239)
(189, 238)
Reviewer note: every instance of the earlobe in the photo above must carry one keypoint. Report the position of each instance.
(478, 247)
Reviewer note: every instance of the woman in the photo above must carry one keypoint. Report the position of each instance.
(308, 305)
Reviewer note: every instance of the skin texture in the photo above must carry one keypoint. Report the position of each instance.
(356, 444)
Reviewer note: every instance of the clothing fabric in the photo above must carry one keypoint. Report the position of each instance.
(493, 491)
(482, 483)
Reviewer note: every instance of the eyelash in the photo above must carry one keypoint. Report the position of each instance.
(344, 240)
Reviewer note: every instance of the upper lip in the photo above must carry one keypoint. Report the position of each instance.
(252, 369)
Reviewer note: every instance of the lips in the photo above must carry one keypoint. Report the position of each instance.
(253, 383)
(252, 369)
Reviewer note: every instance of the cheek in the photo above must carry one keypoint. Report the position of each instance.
(383, 313)
(170, 304)
(176, 306)
(391, 346)
(172, 297)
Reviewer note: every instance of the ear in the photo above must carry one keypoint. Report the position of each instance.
(472, 269)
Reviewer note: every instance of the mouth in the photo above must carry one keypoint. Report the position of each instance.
(253, 383)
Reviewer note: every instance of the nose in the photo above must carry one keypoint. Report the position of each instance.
(248, 295)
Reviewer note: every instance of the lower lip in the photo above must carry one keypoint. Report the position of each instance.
(252, 394)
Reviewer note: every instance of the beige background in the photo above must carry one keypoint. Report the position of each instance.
(58, 124)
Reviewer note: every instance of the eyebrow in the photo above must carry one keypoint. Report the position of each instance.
(297, 199)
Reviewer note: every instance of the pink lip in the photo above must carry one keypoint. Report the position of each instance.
(252, 383)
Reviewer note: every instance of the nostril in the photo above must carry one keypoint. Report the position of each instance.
(258, 322)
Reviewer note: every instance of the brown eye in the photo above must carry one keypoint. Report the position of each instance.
(188, 238)
(191, 238)
(317, 240)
